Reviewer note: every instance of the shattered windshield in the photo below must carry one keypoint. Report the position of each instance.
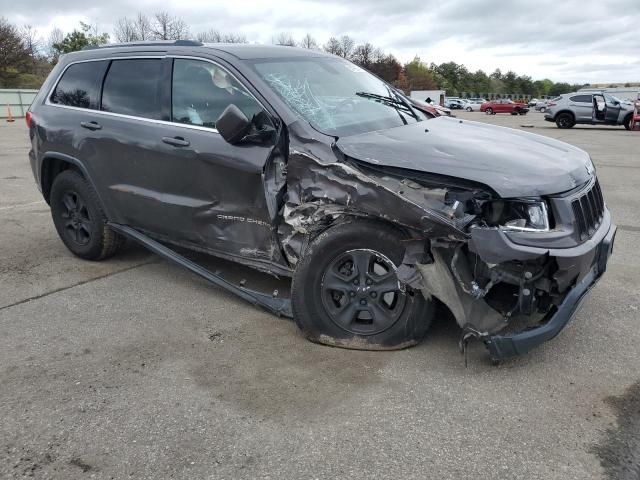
(335, 96)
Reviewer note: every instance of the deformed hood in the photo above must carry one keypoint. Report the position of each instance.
(513, 163)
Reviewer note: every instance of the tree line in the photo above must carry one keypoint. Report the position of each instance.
(26, 58)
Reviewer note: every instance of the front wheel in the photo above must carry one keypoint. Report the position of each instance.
(489, 111)
(469, 109)
(346, 293)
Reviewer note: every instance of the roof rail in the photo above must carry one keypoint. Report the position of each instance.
(151, 43)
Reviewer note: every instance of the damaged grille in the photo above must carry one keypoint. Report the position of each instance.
(588, 210)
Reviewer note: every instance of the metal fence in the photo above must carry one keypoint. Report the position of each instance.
(17, 99)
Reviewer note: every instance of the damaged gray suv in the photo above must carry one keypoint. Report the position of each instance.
(302, 164)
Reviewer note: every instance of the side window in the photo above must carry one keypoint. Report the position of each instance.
(132, 87)
(202, 90)
(78, 86)
(581, 98)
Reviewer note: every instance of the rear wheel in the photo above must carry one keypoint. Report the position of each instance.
(346, 293)
(79, 219)
(565, 120)
(542, 109)
(469, 109)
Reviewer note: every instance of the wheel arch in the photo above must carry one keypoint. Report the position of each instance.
(53, 163)
(565, 110)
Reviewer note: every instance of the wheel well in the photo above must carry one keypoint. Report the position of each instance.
(564, 111)
(51, 168)
(627, 117)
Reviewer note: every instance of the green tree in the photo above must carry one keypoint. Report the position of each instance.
(419, 76)
(77, 40)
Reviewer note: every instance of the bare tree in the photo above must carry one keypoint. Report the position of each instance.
(309, 42)
(55, 37)
(210, 36)
(31, 41)
(125, 30)
(143, 27)
(285, 39)
(214, 36)
(363, 55)
(166, 27)
(332, 46)
(346, 46)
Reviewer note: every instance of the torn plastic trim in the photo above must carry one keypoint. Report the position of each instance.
(272, 303)
(505, 346)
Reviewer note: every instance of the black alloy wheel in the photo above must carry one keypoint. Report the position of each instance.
(360, 292)
(77, 222)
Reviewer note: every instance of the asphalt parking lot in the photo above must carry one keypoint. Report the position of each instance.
(134, 368)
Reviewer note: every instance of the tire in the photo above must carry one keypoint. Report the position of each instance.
(489, 111)
(565, 120)
(542, 109)
(79, 218)
(627, 122)
(469, 109)
(515, 112)
(359, 313)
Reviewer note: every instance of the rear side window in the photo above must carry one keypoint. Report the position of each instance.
(132, 87)
(581, 98)
(79, 85)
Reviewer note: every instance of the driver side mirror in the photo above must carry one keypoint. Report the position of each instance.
(232, 124)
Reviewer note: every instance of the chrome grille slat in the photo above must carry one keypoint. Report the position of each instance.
(588, 209)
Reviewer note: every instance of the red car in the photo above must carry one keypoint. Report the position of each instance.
(504, 106)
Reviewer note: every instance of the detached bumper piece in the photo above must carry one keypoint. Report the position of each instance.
(502, 347)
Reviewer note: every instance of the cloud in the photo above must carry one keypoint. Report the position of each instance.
(545, 38)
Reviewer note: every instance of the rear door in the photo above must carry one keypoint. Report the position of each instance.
(582, 106)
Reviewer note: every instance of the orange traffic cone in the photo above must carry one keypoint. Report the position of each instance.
(10, 116)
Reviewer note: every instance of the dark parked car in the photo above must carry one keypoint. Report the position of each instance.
(302, 164)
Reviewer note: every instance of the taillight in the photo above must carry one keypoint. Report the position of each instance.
(28, 119)
(551, 104)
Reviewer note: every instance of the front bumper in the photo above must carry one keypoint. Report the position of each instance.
(505, 346)
(548, 117)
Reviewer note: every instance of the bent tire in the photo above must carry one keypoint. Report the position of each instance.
(345, 290)
(565, 120)
(79, 219)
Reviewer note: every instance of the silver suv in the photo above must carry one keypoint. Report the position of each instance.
(593, 108)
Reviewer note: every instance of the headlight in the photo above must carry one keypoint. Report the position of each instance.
(518, 215)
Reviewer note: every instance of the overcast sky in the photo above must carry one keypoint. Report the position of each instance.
(592, 41)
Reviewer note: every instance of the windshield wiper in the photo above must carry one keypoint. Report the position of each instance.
(396, 103)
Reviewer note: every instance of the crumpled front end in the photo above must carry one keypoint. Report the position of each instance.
(465, 245)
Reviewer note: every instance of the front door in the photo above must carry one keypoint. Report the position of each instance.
(612, 110)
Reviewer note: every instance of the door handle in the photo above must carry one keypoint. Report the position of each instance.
(91, 125)
(176, 141)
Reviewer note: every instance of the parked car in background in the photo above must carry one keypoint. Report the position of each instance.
(534, 101)
(588, 109)
(540, 106)
(454, 103)
(504, 106)
(429, 110)
(473, 105)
